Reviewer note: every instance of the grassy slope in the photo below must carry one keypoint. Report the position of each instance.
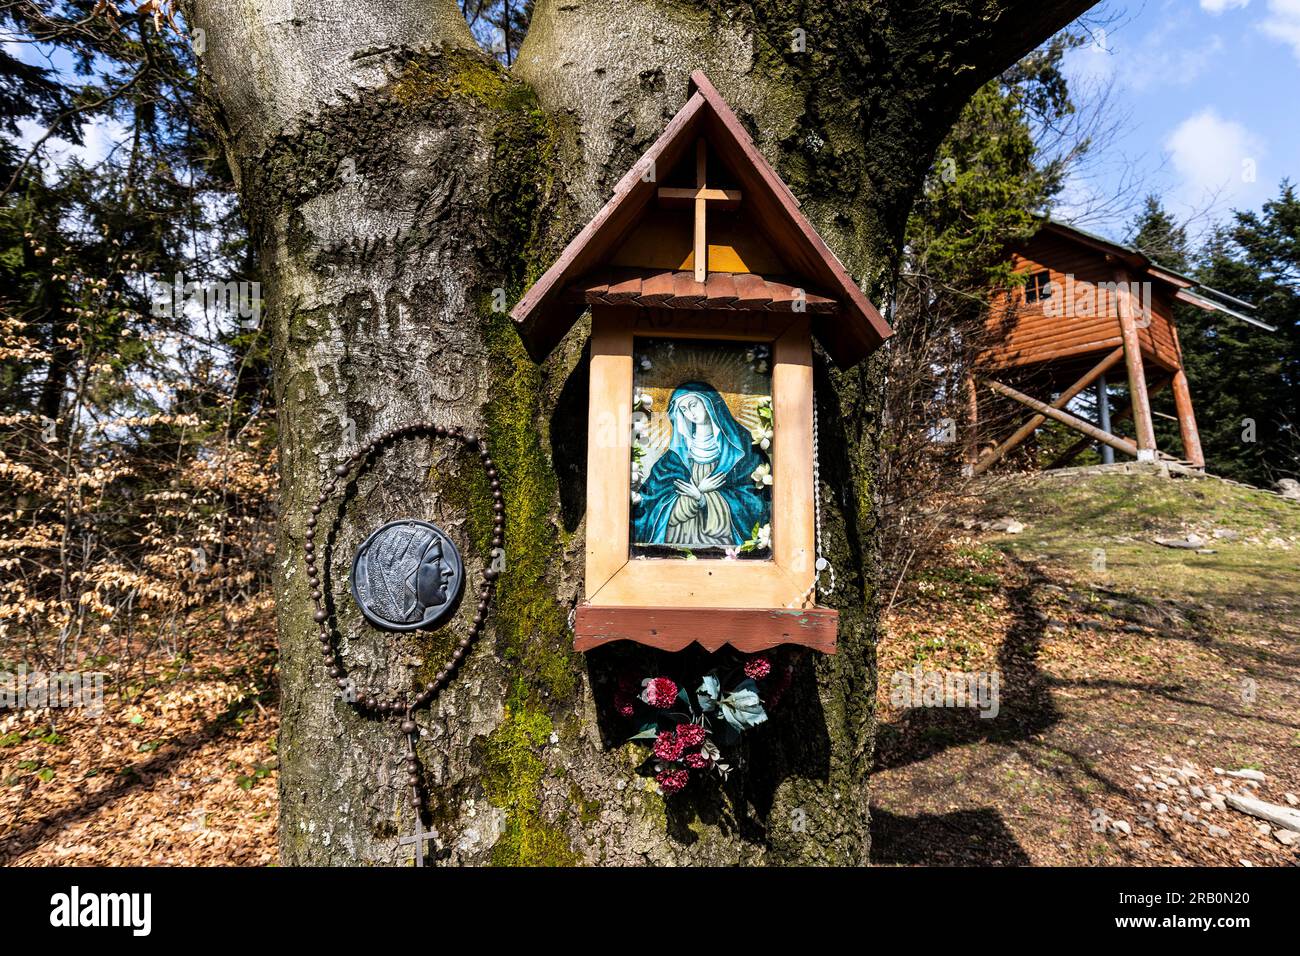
(1156, 657)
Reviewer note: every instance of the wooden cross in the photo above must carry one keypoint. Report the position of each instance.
(418, 838)
(700, 197)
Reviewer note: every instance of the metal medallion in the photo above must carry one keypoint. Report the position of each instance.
(407, 575)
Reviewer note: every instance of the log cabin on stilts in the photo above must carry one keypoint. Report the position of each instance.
(1090, 311)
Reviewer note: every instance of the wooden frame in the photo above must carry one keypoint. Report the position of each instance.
(774, 587)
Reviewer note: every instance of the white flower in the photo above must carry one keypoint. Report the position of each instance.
(764, 538)
(645, 364)
(762, 475)
(636, 497)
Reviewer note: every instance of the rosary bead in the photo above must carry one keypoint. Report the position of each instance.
(415, 803)
(319, 617)
(471, 439)
(408, 726)
(491, 574)
(316, 596)
(311, 522)
(458, 653)
(413, 779)
(340, 470)
(491, 471)
(315, 509)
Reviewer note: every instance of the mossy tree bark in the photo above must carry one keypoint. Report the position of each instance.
(395, 178)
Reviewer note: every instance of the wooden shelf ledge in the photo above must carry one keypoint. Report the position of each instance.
(749, 630)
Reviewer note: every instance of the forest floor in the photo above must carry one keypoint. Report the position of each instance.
(178, 770)
(1127, 673)
(1131, 677)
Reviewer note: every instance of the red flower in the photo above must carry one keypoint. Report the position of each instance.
(623, 703)
(756, 668)
(658, 691)
(697, 760)
(670, 781)
(690, 735)
(667, 747)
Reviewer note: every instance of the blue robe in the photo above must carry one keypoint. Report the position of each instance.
(737, 458)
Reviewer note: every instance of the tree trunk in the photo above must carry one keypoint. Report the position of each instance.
(395, 178)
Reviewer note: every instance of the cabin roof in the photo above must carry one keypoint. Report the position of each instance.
(850, 329)
(1186, 289)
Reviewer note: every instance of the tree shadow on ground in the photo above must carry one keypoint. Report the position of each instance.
(1025, 706)
(962, 838)
(132, 777)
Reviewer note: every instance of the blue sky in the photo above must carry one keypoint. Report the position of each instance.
(1204, 103)
(1201, 99)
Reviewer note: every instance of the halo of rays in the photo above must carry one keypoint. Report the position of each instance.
(720, 364)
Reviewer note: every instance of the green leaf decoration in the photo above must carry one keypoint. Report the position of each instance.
(742, 708)
(648, 731)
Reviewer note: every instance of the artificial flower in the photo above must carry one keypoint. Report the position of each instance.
(658, 691)
(671, 781)
(690, 735)
(697, 760)
(756, 668)
(667, 746)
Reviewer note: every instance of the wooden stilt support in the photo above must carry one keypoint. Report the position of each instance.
(1187, 421)
(1067, 456)
(1028, 428)
(1183, 404)
(1065, 418)
(1123, 415)
(1137, 383)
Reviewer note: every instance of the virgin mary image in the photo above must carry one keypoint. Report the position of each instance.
(700, 492)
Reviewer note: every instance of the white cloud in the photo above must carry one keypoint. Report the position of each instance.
(99, 138)
(1215, 7)
(1216, 160)
(1283, 23)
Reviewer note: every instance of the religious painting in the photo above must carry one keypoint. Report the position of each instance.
(702, 433)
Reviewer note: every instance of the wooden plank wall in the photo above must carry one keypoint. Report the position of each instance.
(1021, 333)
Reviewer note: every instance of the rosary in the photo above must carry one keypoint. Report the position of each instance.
(406, 576)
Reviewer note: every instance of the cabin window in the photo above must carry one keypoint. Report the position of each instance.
(1037, 288)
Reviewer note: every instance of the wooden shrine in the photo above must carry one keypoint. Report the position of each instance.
(1089, 309)
(706, 287)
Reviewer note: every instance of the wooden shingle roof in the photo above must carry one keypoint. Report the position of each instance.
(846, 323)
